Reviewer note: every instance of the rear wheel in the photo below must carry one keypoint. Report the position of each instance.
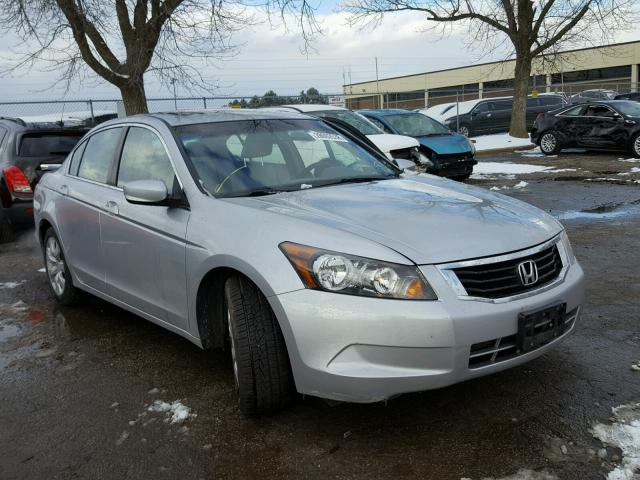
(57, 270)
(261, 367)
(550, 143)
(635, 146)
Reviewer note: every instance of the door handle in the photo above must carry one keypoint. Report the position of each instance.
(488, 115)
(112, 207)
(64, 190)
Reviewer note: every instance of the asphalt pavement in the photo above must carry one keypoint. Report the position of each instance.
(94, 392)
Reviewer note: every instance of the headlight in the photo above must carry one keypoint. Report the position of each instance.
(473, 147)
(564, 239)
(348, 274)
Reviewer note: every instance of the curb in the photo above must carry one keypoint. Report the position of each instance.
(493, 151)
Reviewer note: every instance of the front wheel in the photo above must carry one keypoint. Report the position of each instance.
(635, 145)
(263, 377)
(57, 270)
(464, 130)
(550, 143)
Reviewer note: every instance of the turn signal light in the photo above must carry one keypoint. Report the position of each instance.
(16, 180)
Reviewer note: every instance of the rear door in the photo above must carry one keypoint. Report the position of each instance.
(501, 116)
(144, 245)
(83, 192)
(41, 146)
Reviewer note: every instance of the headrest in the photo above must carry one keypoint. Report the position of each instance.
(257, 145)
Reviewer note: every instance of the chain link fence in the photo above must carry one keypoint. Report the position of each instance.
(93, 111)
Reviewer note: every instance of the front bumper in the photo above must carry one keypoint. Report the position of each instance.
(457, 168)
(361, 349)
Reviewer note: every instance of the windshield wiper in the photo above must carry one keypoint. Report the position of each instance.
(260, 192)
(352, 180)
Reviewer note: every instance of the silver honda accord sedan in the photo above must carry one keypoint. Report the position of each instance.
(293, 242)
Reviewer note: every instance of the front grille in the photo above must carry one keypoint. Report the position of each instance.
(453, 157)
(506, 348)
(496, 280)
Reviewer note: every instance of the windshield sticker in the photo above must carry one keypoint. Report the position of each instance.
(334, 137)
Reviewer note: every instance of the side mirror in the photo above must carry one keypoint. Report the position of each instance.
(146, 192)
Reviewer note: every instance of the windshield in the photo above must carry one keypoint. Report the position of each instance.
(631, 109)
(261, 157)
(354, 119)
(416, 125)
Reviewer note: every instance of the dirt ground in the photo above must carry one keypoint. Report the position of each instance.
(76, 382)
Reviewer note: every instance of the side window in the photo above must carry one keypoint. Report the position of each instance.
(599, 111)
(75, 158)
(99, 154)
(549, 101)
(483, 108)
(533, 102)
(144, 158)
(343, 154)
(503, 105)
(3, 133)
(311, 152)
(575, 111)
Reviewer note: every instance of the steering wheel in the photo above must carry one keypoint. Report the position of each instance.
(320, 165)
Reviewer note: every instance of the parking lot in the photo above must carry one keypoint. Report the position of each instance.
(82, 388)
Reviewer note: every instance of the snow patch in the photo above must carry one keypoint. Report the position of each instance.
(499, 141)
(505, 168)
(4, 285)
(630, 160)
(523, 474)
(635, 170)
(558, 170)
(520, 185)
(42, 270)
(623, 433)
(176, 411)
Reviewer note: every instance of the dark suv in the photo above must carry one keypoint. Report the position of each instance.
(493, 115)
(26, 152)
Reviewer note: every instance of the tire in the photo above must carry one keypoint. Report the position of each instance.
(263, 378)
(57, 270)
(635, 145)
(6, 230)
(550, 143)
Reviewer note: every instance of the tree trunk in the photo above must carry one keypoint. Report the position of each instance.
(134, 97)
(518, 126)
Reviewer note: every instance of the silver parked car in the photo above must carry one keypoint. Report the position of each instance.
(324, 267)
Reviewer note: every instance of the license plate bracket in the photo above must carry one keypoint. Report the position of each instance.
(538, 328)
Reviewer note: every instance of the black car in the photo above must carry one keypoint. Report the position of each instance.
(612, 125)
(635, 96)
(493, 115)
(26, 152)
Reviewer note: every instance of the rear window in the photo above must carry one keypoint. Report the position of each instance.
(48, 144)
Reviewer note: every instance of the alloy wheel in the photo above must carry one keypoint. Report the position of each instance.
(464, 130)
(548, 142)
(55, 266)
(636, 146)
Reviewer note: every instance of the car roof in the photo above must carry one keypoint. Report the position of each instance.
(312, 107)
(388, 111)
(190, 117)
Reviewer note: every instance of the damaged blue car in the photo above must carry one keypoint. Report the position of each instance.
(450, 154)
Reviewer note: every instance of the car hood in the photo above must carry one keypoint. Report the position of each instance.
(446, 144)
(425, 218)
(387, 143)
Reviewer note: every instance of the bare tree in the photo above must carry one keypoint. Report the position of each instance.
(533, 29)
(122, 40)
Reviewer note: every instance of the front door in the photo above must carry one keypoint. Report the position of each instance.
(144, 245)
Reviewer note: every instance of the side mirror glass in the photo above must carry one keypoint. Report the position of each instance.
(405, 164)
(146, 192)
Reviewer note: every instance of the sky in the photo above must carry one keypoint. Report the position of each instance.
(271, 58)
